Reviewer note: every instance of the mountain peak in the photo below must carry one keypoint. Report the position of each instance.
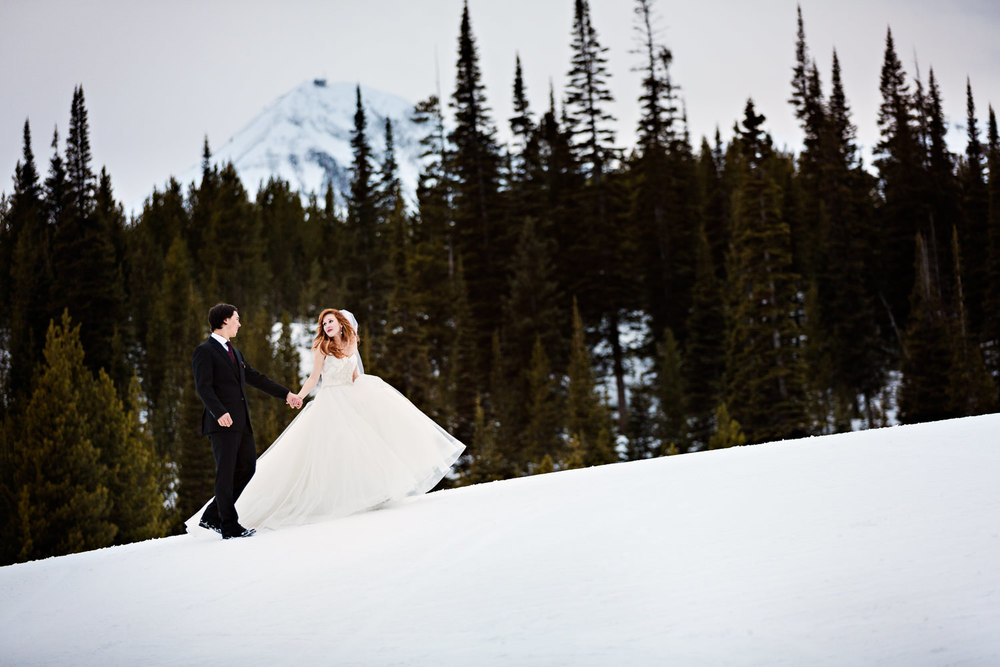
(304, 138)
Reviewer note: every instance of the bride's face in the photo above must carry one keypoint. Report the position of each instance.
(331, 325)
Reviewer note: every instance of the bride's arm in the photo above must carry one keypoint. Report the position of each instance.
(317, 370)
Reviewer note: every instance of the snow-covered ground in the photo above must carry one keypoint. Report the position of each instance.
(878, 547)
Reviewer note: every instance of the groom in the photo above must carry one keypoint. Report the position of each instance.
(220, 376)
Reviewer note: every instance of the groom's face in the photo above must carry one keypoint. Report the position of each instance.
(231, 326)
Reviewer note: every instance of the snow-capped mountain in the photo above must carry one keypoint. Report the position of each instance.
(304, 137)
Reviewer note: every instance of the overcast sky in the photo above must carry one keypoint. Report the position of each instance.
(158, 76)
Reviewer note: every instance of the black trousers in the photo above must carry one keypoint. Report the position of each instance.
(235, 461)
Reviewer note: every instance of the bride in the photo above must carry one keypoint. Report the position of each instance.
(357, 445)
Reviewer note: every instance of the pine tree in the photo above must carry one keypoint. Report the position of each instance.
(233, 239)
(83, 246)
(974, 221)
(673, 408)
(558, 179)
(460, 365)
(28, 278)
(587, 424)
(255, 343)
(807, 100)
(657, 101)
(136, 480)
(362, 222)
(541, 436)
(704, 357)
(927, 353)
(588, 95)
(63, 501)
(598, 252)
(163, 221)
(899, 163)
(765, 366)
(845, 349)
(80, 177)
(283, 224)
(110, 222)
(521, 124)
(942, 188)
(487, 462)
(991, 310)
(532, 308)
(728, 432)
(475, 164)
(663, 207)
(971, 390)
(200, 234)
(435, 185)
(10, 546)
(174, 409)
(389, 188)
(507, 412)
(24, 207)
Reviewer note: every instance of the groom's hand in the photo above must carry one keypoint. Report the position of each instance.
(293, 400)
(226, 420)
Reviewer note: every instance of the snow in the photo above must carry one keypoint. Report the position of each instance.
(877, 547)
(304, 137)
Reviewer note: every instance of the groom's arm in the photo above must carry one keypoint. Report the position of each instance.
(257, 379)
(201, 364)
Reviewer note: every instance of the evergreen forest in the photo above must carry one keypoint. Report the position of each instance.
(555, 301)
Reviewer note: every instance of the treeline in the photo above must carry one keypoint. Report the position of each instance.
(555, 302)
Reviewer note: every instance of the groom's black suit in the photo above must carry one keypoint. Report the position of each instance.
(221, 385)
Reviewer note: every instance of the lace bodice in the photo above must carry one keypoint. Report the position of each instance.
(338, 371)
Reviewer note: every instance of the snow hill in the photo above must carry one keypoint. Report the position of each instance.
(870, 548)
(304, 137)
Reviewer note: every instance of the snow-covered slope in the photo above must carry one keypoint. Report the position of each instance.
(304, 137)
(869, 548)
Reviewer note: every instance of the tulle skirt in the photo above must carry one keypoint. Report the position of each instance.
(354, 447)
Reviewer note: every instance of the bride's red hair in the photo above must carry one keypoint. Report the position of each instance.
(338, 345)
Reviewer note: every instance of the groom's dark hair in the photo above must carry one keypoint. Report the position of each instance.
(219, 313)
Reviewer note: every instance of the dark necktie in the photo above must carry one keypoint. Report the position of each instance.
(232, 355)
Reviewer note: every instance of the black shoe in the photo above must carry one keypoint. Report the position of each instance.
(208, 526)
(239, 532)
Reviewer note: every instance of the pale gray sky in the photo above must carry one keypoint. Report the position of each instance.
(158, 76)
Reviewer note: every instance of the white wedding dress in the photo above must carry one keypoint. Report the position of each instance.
(357, 445)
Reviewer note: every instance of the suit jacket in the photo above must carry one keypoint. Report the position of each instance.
(222, 388)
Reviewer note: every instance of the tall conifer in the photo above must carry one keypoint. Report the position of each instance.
(542, 432)
(971, 390)
(765, 366)
(927, 354)
(362, 221)
(844, 341)
(663, 207)
(991, 309)
(28, 280)
(704, 358)
(597, 252)
(64, 504)
(974, 221)
(521, 123)
(898, 161)
(482, 242)
(587, 423)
